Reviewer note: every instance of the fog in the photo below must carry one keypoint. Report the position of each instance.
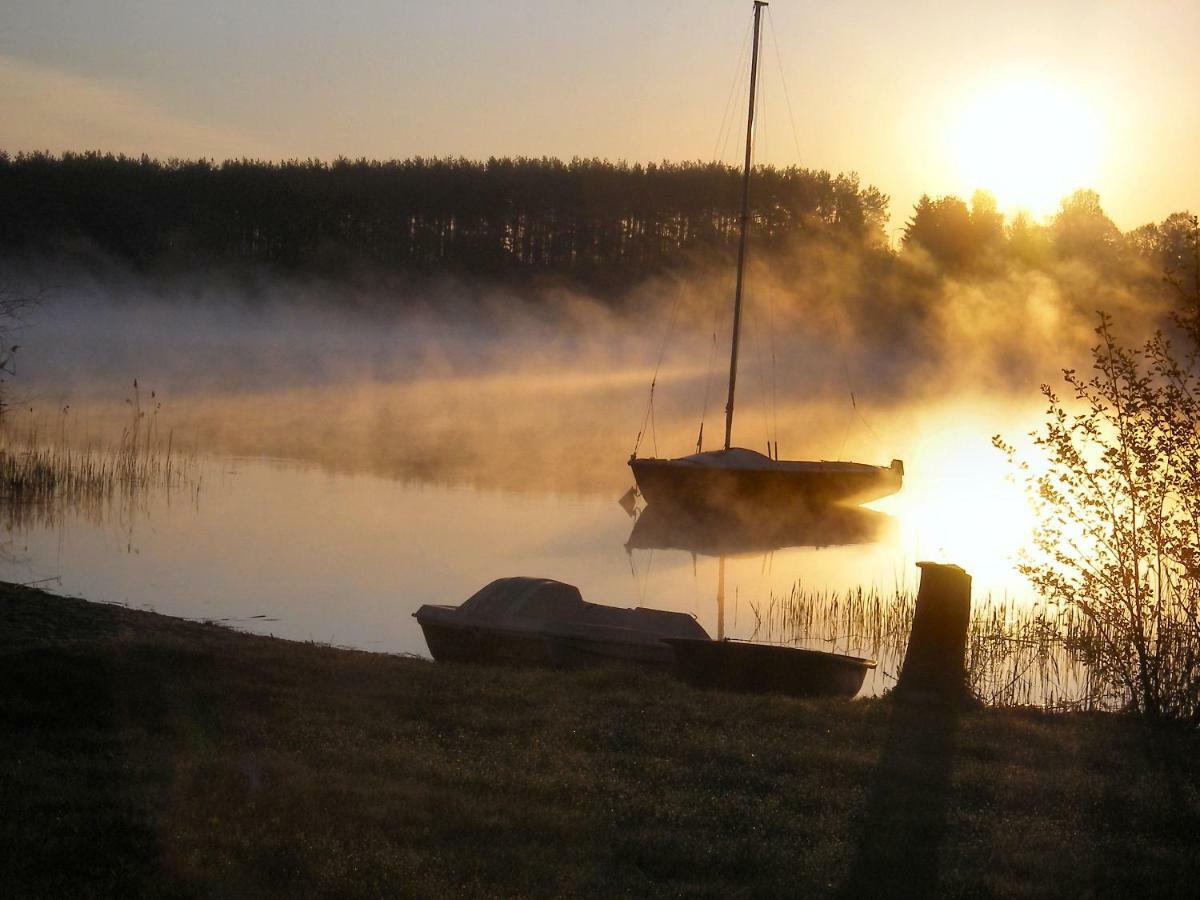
(548, 388)
(448, 432)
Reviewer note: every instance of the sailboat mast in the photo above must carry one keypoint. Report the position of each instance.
(745, 221)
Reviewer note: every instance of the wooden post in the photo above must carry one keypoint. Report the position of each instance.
(935, 664)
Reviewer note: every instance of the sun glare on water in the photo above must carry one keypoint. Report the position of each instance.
(1028, 141)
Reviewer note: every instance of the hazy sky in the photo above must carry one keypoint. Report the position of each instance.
(1031, 99)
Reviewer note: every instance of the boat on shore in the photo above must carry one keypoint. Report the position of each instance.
(546, 623)
(768, 668)
(541, 622)
(737, 481)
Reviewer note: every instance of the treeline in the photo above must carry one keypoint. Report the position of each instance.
(587, 219)
(594, 223)
(975, 240)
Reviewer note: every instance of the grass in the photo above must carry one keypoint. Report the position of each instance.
(147, 755)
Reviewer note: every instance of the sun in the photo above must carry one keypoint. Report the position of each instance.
(1029, 141)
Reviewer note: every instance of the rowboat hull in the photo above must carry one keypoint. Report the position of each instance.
(449, 642)
(765, 668)
(498, 646)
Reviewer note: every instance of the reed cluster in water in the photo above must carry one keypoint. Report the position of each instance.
(45, 469)
(1018, 653)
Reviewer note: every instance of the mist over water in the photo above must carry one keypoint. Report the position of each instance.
(366, 452)
(545, 389)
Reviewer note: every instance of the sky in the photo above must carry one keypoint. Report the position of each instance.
(1027, 99)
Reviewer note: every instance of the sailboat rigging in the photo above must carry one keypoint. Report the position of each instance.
(744, 482)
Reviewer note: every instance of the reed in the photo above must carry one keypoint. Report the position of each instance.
(1019, 653)
(46, 470)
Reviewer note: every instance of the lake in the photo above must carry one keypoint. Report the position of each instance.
(295, 550)
(345, 472)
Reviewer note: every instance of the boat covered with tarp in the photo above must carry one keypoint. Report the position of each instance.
(539, 621)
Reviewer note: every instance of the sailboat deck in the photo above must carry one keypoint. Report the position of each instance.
(741, 459)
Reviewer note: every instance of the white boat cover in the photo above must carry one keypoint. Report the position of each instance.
(742, 460)
(538, 603)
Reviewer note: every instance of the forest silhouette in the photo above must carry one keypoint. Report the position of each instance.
(594, 221)
(594, 227)
(591, 224)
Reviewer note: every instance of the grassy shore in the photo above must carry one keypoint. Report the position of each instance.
(145, 755)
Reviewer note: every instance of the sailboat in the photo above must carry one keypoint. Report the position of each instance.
(743, 482)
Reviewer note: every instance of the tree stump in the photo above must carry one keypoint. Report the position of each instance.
(935, 663)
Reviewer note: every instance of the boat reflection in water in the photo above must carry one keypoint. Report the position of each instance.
(713, 534)
(744, 665)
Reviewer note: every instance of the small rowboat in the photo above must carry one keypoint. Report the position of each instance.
(768, 668)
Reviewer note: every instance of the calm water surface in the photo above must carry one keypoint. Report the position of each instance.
(291, 550)
(488, 441)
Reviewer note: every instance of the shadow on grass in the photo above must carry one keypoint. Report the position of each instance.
(73, 822)
(898, 848)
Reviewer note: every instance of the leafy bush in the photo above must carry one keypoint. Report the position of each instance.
(1117, 494)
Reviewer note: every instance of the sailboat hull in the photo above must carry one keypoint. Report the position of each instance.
(752, 485)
